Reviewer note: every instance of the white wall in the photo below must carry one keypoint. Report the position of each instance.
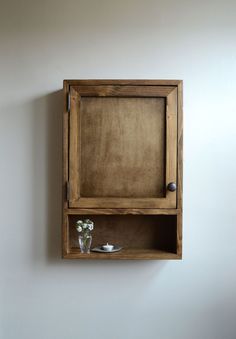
(44, 42)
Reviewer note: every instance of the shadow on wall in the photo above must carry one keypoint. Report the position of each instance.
(54, 171)
(47, 183)
(47, 190)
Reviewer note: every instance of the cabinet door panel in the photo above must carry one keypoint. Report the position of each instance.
(122, 146)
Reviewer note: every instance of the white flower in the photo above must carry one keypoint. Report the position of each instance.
(79, 228)
(84, 226)
(79, 222)
(90, 227)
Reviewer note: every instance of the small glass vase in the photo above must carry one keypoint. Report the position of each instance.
(85, 241)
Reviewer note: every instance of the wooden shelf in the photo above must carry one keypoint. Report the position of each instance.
(125, 253)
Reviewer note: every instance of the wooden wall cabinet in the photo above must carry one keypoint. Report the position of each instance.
(123, 166)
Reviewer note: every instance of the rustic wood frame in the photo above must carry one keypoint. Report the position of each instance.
(76, 92)
(171, 89)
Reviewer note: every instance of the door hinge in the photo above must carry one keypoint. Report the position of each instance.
(67, 191)
(68, 101)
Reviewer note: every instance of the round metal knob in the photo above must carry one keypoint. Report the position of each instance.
(171, 186)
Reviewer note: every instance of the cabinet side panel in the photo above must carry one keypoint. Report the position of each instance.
(179, 235)
(64, 232)
(65, 142)
(180, 170)
(180, 147)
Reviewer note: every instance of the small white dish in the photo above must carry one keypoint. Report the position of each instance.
(101, 250)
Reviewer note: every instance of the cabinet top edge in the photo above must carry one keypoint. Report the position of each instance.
(137, 82)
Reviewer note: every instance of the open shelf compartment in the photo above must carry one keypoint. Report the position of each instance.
(140, 236)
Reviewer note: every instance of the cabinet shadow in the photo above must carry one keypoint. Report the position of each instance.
(47, 188)
(47, 174)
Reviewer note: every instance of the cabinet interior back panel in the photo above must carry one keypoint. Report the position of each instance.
(130, 231)
(122, 147)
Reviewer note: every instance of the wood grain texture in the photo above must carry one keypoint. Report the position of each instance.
(171, 146)
(180, 170)
(65, 223)
(179, 235)
(151, 228)
(180, 146)
(124, 82)
(65, 143)
(74, 146)
(125, 254)
(122, 147)
(123, 91)
(65, 235)
(121, 203)
(127, 136)
(131, 211)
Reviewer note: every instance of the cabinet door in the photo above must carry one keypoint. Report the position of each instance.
(122, 146)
